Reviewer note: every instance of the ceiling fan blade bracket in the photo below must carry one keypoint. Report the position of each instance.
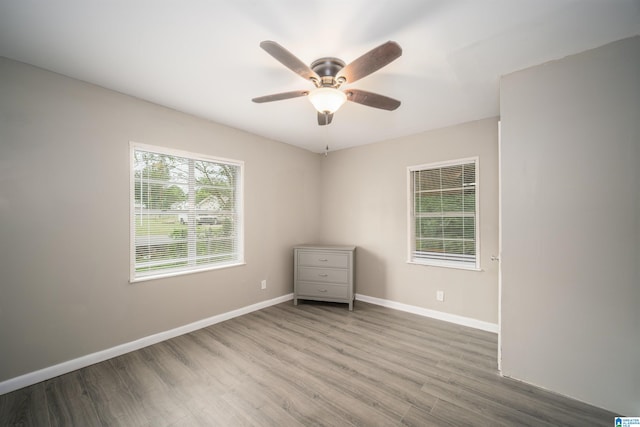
(327, 81)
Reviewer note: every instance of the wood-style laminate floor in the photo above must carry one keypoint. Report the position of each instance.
(314, 364)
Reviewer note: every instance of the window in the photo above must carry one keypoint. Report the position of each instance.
(444, 214)
(186, 212)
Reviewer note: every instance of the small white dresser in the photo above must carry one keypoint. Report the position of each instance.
(324, 273)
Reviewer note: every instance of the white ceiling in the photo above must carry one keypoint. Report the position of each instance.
(203, 56)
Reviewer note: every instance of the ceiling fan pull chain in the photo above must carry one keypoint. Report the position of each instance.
(326, 134)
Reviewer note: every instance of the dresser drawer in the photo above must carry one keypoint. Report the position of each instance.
(322, 290)
(313, 274)
(323, 259)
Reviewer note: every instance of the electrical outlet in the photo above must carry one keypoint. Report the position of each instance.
(440, 296)
(263, 284)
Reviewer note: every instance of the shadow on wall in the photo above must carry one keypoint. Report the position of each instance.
(371, 274)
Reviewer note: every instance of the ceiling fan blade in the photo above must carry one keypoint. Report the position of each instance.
(324, 118)
(289, 60)
(371, 61)
(281, 96)
(371, 99)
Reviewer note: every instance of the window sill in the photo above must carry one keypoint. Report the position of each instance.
(446, 265)
(182, 273)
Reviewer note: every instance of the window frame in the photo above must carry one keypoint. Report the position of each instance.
(411, 241)
(240, 260)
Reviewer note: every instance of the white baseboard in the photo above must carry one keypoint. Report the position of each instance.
(447, 317)
(99, 356)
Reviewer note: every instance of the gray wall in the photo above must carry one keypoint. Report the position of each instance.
(364, 203)
(571, 226)
(64, 219)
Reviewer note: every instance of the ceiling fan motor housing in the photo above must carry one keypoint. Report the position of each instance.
(327, 69)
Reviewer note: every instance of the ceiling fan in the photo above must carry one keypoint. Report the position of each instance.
(328, 74)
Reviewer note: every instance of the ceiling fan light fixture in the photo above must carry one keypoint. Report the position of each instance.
(327, 99)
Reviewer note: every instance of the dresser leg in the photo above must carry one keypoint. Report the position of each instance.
(295, 301)
(350, 305)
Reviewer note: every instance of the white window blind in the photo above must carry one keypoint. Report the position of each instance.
(186, 212)
(444, 214)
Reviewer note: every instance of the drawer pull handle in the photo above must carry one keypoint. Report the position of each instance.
(323, 274)
(322, 290)
(323, 260)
